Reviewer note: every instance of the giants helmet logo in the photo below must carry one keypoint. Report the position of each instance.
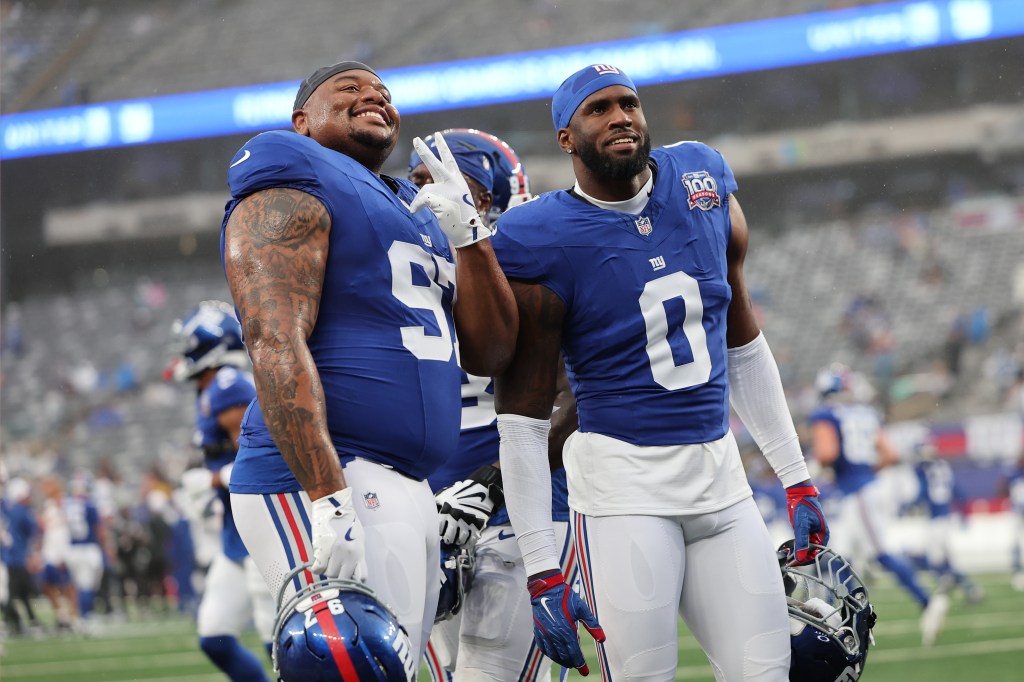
(703, 190)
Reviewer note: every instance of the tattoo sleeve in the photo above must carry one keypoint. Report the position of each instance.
(275, 255)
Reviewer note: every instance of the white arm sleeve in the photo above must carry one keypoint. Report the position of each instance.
(755, 391)
(526, 480)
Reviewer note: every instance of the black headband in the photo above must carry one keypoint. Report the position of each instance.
(320, 75)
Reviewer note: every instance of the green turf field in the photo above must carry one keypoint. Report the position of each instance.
(980, 643)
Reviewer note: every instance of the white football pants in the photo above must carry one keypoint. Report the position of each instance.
(400, 525)
(491, 639)
(717, 570)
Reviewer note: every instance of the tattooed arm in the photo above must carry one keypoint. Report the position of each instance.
(275, 254)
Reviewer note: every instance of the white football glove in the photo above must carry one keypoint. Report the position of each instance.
(465, 506)
(448, 196)
(338, 550)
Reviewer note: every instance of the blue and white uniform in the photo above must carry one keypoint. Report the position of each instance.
(660, 504)
(85, 555)
(384, 348)
(231, 387)
(474, 642)
(938, 491)
(866, 509)
(1015, 485)
(234, 593)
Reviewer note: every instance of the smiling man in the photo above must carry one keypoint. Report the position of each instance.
(640, 283)
(346, 292)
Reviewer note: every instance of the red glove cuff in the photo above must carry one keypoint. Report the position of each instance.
(801, 491)
(545, 583)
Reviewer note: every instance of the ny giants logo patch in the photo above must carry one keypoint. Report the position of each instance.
(703, 190)
(371, 501)
(643, 226)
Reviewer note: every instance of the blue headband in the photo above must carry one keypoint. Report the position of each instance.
(472, 162)
(581, 85)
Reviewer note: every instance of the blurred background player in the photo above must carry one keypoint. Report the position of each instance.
(55, 580)
(1012, 486)
(847, 436)
(86, 553)
(214, 358)
(473, 643)
(20, 542)
(939, 494)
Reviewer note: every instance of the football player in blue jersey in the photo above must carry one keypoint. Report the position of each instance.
(472, 644)
(847, 435)
(1012, 486)
(938, 492)
(85, 559)
(636, 273)
(351, 300)
(234, 593)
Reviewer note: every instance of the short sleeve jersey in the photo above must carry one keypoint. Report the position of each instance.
(83, 520)
(937, 485)
(383, 342)
(646, 296)
(858, 427)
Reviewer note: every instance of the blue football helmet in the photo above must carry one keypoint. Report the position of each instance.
(830, 617)
(458, 565)
(836, 378)
(510, 185)
(338, 630)
(209, 336)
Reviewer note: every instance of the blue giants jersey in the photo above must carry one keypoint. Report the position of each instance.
(858, 427)
(936, 486)
(229, 388)
(478, 446)
(83, 520)
(646, 298)
(384, 337)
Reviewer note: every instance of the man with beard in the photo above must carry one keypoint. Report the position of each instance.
(636, 273)
(346, 291)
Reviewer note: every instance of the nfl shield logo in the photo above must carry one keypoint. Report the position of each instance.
(643, 226)
(371, 501)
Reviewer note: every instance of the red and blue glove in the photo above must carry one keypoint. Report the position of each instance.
(556, 609)
(807, 519)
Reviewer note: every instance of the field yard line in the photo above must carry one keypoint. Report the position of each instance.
(993, 646)
(78, 665)
(974, 621)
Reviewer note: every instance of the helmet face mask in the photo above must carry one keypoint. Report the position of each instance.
(208, 337)
(338, 629)
(830, 617)
(458, 565)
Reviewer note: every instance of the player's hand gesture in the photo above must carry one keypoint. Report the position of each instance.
(807, 519)
(556, 609)
(338, 550)
(448, 196)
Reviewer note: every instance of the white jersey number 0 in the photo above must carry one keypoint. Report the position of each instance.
(652, 305)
